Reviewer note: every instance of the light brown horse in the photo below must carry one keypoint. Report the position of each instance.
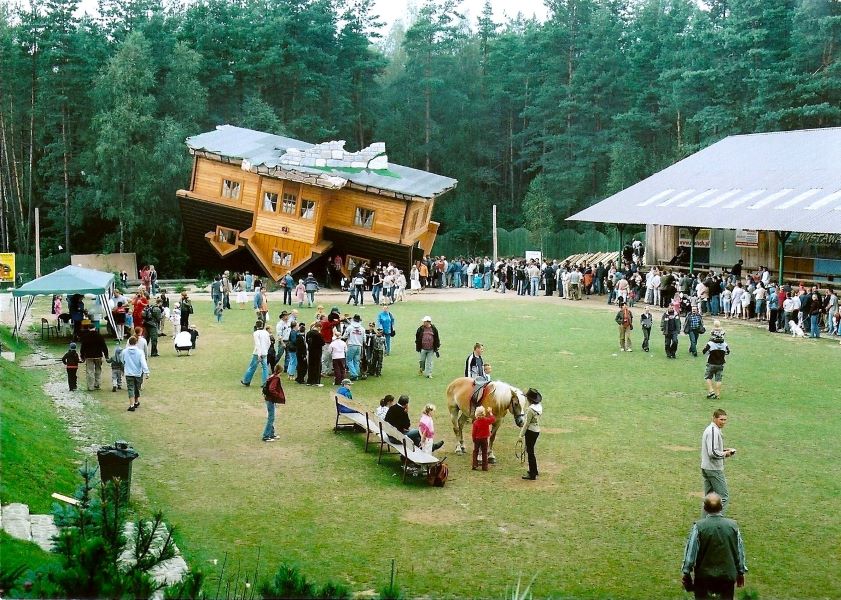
(499, 398)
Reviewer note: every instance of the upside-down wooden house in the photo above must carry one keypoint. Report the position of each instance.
(272, 204)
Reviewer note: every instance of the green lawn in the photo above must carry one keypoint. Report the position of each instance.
(620, 481)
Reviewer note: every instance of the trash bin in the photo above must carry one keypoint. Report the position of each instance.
(115, 463)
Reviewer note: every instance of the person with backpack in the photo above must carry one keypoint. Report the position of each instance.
(272, 394)
(186, 310)
(151, 325)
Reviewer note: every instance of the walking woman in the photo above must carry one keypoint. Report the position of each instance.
(273, 394)
(531, 429)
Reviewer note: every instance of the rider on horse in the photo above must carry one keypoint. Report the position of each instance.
(475, 368)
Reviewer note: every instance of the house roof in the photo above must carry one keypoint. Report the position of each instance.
(261, 152)
(68, 280)
(785, 181)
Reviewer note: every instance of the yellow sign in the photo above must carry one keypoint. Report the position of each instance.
(7, 267)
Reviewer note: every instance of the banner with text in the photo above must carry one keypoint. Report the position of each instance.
(7, 267)
(702, 240)
(747, 238)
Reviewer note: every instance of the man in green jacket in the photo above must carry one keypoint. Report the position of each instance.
(715, 552)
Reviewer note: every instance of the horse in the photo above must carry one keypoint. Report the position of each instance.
(499, 397)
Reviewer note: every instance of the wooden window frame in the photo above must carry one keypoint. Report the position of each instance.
(354, 262)
(285, 198)
(357, 222)
(285, 258)
(222, 235)
(239, 188)
(301, 209)
(272, 210)
(415, 215)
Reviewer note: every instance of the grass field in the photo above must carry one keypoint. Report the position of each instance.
(618, 455)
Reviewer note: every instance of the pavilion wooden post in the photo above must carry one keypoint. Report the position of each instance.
(693, 232)
(37, 243)
(782, 238)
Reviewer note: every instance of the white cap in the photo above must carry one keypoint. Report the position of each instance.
(427, 318)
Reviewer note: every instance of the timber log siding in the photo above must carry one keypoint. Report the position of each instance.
(198, 218)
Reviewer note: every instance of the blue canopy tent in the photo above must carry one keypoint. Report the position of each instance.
(68, 280)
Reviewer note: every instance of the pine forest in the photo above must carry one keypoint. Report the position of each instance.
(539, 118)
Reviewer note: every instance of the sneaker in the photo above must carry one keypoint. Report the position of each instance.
(245, 384)
(114, 388)
(629, 350)
(621, 349)
(318, 385)
(711, 395)
(530, 477)
(271, 439)
(131, 408)
(429, 376)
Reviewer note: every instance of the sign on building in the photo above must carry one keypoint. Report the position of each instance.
(702, 240)
(747, 238)
(534, 255)
(7, 267)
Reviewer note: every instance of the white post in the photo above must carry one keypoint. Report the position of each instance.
(37, 243)
(494, 230)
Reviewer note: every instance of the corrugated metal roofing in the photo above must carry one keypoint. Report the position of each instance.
(265, 149)
(785, 181)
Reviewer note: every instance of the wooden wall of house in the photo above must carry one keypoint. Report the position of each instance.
(388, 214)
(662, 243)
(417, 214)
(265, 244)
(208, 183)
(272, 223)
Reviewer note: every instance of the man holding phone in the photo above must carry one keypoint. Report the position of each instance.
(713, 454)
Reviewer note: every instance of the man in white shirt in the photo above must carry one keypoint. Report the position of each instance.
(262, 342)
(355, 336)
(282, 331)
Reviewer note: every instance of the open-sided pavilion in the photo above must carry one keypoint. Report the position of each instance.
(752, 194)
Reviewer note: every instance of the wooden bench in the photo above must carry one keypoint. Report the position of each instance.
(389, 436)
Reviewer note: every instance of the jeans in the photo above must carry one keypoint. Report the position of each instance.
(816, 326)
(760, 309)
(535, 281)
(375, 293)
(292, 367)
(268, 430)
(425, 360)
(714, 305)
(117, 378)
(531, 440)
(388, 336)
(133, 385)
(354, 354)
(693, 340)
(252, 367)
(287, 296)
(671, 344)
(310, 298)
(487, 283)
(646, 333)
(352, 295)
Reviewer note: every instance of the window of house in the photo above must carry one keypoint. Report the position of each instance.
(364, 218)
(270, 201)
(426, 214)
(281, 259)
(231, 189)
(308, 209)
(415, 216)
(225, 235)
(290, 203)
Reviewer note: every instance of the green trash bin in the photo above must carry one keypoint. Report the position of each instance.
(115, 463)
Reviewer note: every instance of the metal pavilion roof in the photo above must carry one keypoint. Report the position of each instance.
(262, 152)
(785, 181)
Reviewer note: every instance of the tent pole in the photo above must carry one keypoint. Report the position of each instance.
(621, 228)
(782, 238)
(693, 232)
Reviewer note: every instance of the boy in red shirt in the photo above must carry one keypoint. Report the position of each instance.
(481, 433)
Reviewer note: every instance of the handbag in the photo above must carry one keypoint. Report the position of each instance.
(702, 329)
(393, 333)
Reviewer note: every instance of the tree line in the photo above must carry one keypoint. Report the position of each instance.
(540, 118)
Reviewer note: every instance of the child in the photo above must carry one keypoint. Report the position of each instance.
(477, 281)
(481, 434)
(175, 318)
(376, 368)
(120, 318)
(129, 324)
(218, 310)
(299, 293)
(385, 404)
(116, 362)
(71, 363)
(368, 349)
(141, 343)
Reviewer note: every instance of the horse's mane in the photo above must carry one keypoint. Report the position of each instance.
(506, 389)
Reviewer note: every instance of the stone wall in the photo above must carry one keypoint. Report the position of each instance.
(333, 154)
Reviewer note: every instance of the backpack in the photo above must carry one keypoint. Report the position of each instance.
(438, 474)
(147, 315)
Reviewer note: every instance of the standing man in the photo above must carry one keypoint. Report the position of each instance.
(185, 311)
(715, 552)
(152, 324)
(355, 337)
(92, 350)
(262, 341)
(283, 330)
(314, 344)
(216, 292)
(692, 327)
(386, 320)
(134, 369)
(226, 290)
(713, 454)
(153, 280)
(646, 320)
(625, 319)
(670, 327)
(427, 344)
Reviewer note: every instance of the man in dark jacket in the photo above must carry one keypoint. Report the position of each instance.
(715, 552)
(92, 351)
(398, 416)
(314, 345)
(670, 327)
(427, 343)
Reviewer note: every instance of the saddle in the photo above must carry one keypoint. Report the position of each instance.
(480, 389)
